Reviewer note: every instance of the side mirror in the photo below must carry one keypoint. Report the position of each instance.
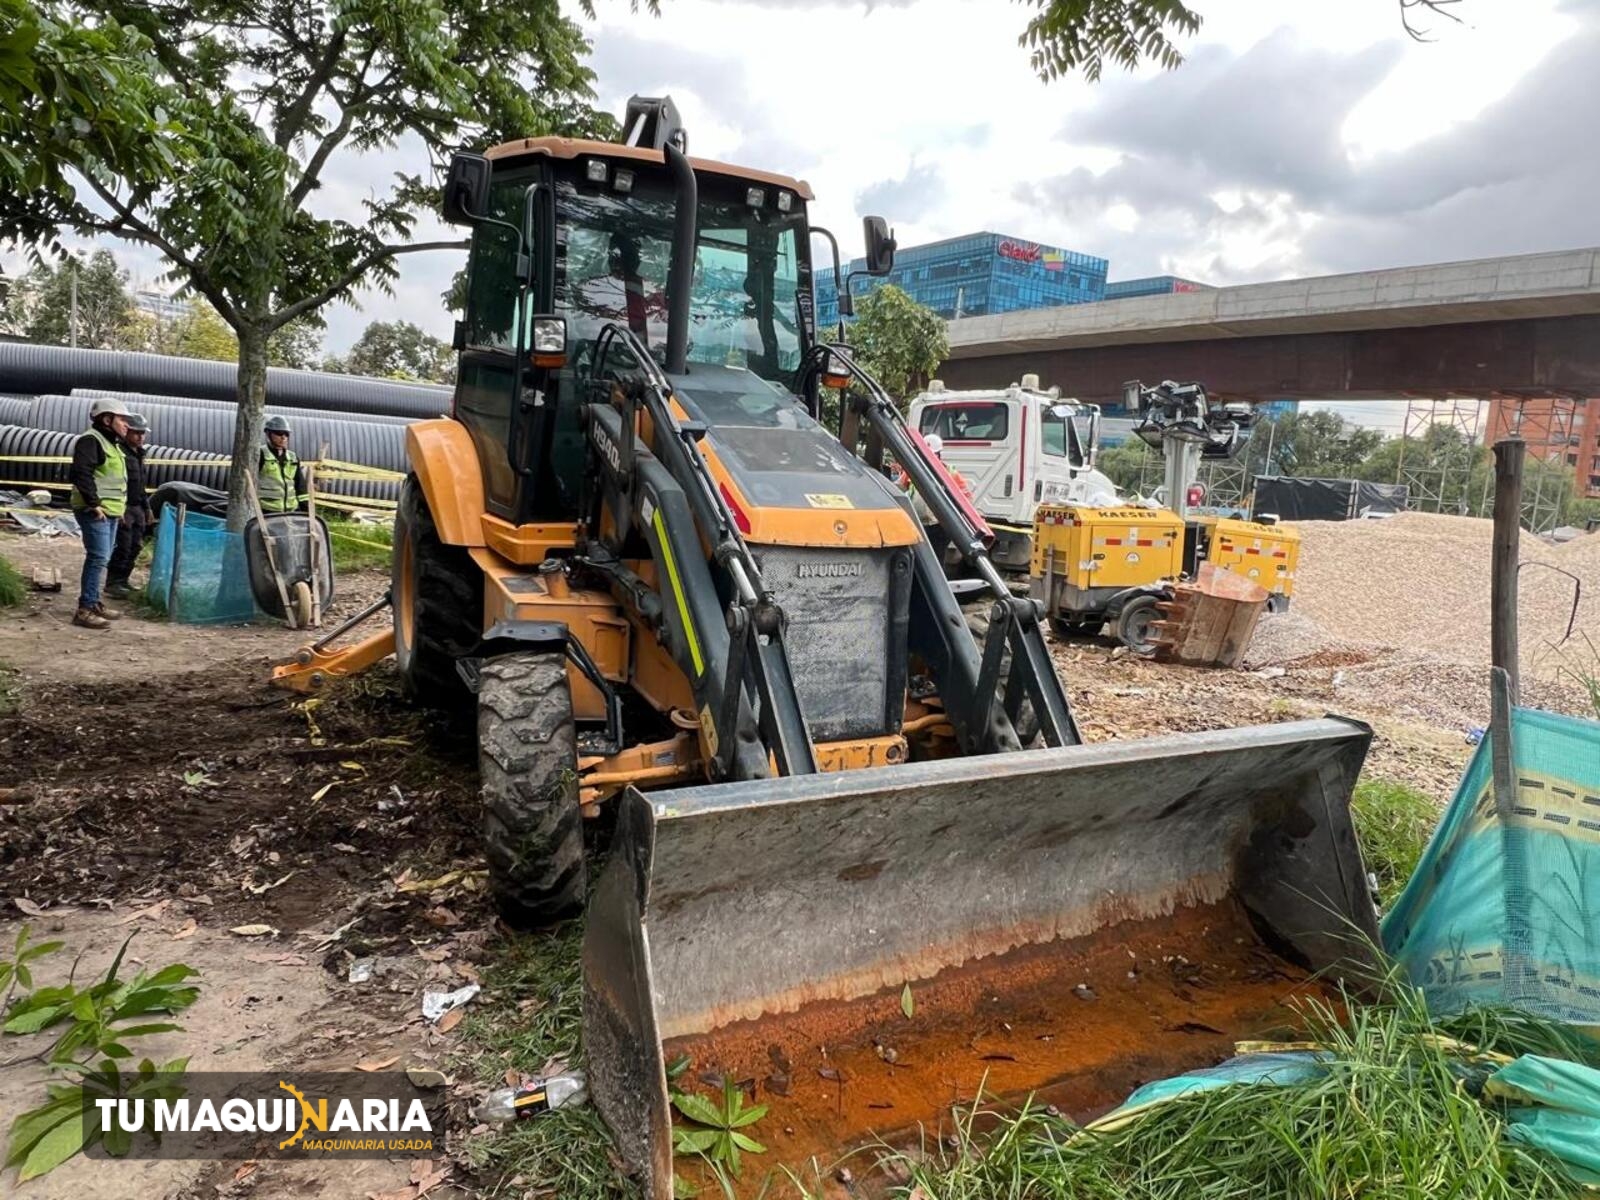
(880, 245)
(466, 189)
(1131, 391)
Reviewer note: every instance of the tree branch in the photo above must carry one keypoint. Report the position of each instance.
(347, 118)
(383, 254)
(294, 117)
(130, 223)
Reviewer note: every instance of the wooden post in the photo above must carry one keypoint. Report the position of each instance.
(177, 561)
(1516, 884)
(1509, 456)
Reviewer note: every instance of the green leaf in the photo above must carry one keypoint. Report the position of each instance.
(24, 977)
(676, 1067)
(141, 1030)
(32, 1022)
(747, 1143)
(728, 1151)
(748, 1117)
(54, 1148)
(39, 950)
(682, 1189)
(30, 1126)
(83, 1007)
(698, 1108)
(907, 1004)
(694, 1141)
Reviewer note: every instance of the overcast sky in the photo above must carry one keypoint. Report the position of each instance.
(1301, 137)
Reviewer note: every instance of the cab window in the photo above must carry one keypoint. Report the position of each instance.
(966, 422)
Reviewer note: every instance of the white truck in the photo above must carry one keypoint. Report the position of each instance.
(1018, 447)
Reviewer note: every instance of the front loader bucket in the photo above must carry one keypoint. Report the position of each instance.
(1070, 923)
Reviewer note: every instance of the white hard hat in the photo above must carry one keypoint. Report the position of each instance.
(106, 405)
(935, 442)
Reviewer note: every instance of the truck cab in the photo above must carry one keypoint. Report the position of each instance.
(1017, 448)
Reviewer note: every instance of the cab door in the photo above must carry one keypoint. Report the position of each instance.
(487, 341)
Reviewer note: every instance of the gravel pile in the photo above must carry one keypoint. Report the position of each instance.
(1420, 583)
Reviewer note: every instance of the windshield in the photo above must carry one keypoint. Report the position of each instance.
(966, 422)
(744, 308)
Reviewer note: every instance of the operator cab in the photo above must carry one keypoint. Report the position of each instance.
(574, 238)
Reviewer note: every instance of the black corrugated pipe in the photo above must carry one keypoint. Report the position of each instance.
(211, 429)
(14, 409)
(680, 274)
(167, 464)
(31, 369)
(134, 399)
(17, 441)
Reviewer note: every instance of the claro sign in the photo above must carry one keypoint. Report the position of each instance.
(1019, 251)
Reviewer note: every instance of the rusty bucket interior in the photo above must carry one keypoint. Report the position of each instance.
(864, 950)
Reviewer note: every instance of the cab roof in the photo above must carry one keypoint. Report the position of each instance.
(558, 147)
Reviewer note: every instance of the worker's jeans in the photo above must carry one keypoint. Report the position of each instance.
(130, 536)
(99, 536)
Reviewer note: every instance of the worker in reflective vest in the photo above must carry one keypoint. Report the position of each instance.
(134, 528)
(280, 479)
(99, 478)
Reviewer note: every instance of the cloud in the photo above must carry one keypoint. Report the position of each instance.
(1236, 167)
(910, 198)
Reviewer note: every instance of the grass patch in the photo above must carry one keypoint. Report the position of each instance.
(13, 589)
(1395, 1112)
(534, 1015)
(358, 546)
(1393, 824)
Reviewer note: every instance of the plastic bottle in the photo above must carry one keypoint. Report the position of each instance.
(531, 1099)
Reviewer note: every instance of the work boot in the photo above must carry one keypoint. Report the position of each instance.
(89, 619)
(120, 590)
(107, 614)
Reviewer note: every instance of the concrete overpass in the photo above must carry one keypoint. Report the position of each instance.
(1528, 325)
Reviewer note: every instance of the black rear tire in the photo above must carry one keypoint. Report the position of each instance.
(528, 769)
(438, 604)
(1027, 725)
(1134, 625)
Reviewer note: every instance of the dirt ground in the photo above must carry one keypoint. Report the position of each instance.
(164, 790)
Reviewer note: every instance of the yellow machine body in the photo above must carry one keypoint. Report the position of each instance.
(1107, 547)
(1265, 554)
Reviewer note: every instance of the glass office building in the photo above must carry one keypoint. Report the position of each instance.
(976, 274)
(1154, 285)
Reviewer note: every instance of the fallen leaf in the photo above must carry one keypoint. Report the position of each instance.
(435, 954)
(426, 885)
(830, 1073)
(254, 931)
(185, 930)
(324, 790)
(384, 1065)
(432, 1181)
(349, 765)
(441, 917)
(200, 899)
(450, 1020)
(513, 1077)
(468, 972)
(27, 907)
(344, 848)
(245, 1171)
(406, 1193)
(155, 910)
(421, 1169)
(258, 889)
(907, 1005)
(426, 1077)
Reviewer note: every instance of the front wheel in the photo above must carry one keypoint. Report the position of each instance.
(528, 770)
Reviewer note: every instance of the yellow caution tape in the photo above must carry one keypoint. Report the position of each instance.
(355, 541)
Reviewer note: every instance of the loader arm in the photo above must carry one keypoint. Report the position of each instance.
(754, 674)
(967, 682)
